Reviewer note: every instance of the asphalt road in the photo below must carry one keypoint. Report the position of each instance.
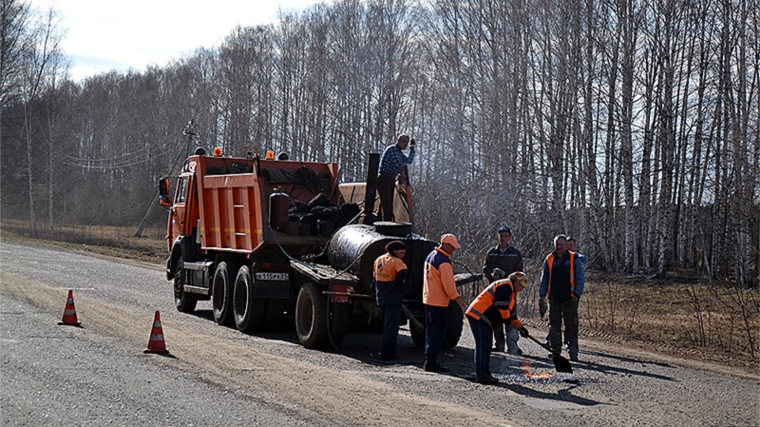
(98, 374)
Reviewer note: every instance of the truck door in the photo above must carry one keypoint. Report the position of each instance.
(179, 210)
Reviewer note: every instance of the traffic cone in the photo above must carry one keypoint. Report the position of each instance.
(156, 342)
(70, 313)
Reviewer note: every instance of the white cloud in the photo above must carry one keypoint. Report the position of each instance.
(103, 35)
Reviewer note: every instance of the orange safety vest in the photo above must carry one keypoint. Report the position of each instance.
(387, 268)
(550, 263)
(486, 300)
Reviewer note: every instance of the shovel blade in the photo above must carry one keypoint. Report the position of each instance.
(562, 365)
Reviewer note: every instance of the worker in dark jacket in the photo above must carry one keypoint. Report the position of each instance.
(390, 275)
(562, 283)
(500, 262)
(493, 307)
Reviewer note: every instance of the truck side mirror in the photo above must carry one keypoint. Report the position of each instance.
(163, 187)
(165, 201)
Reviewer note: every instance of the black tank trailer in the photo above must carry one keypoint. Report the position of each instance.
(345, 269)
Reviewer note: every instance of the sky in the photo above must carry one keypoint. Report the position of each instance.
(105, 35)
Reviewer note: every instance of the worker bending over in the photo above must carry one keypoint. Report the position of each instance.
(492, 307)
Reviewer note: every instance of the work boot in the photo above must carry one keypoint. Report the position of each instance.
(488, 380)
(433, 366)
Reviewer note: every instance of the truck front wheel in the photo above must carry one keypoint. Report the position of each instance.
(222, 294)
(313, 319)
(249, 311)
(182, 300)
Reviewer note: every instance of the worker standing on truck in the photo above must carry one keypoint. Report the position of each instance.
(391, 163)
(494, 306)
(390, 279)
(439, 289)
(502, 261)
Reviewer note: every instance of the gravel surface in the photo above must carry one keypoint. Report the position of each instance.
(215, 375)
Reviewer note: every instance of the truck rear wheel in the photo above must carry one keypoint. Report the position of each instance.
(221, 293)
(182, 300)
(312, 318)
(249, 311)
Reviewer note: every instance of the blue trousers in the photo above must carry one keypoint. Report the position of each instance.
(389, 298)
(436, 320)
(392, 318)
(482, 333)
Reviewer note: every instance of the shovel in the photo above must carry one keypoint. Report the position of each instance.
(560, 363)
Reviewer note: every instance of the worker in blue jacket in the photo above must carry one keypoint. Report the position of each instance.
(562, 284)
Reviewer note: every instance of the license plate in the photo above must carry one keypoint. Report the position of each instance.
(277, 277)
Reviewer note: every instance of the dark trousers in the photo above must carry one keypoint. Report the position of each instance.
(482, 333)
(392, 318)
(563, 312)
(436, 319)
(386, 184)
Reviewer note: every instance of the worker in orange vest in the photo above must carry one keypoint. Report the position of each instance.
(390, 275)
(492, 307)
(562, 283)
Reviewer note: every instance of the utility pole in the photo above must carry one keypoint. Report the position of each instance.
(189, 132)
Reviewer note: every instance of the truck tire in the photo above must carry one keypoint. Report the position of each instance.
(182, 300)
(249, 311)
(312, 318)
(454, 328)
(221, 293)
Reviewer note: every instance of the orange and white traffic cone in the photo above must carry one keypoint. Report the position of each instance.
(156, 342)
(69, 312)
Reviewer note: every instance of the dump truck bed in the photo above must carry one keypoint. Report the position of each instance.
(234, 194)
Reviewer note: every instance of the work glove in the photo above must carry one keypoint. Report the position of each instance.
(497, 273)
(412, 143)
(542, 307)
(523, 331)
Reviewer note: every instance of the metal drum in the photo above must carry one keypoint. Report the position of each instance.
(279, 203)
(355, 248)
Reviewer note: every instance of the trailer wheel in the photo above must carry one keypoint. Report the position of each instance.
(454, 327)
(249, 311)
(312, 318)
(221, 294)
(182, 300)
(453, 330)
(418, 336)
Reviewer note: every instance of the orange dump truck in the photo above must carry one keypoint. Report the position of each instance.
(269, 240)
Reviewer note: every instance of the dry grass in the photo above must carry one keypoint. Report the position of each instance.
(680, 315)
(113, 241)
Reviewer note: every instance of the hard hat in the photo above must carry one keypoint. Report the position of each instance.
(519, 278)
